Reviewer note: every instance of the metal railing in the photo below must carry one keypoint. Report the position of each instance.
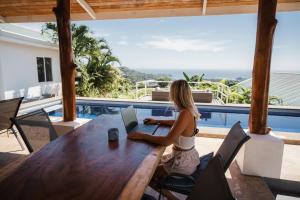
(220, 91)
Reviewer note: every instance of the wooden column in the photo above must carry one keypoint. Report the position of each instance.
(67, 66)
(266, 25)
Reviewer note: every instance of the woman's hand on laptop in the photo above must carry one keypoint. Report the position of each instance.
(135, 136)
(150, 121)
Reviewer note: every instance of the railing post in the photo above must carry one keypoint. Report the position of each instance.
(145, 88)
(136, 90)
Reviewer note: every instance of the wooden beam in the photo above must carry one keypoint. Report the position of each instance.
(67, 66)
(87, 8)
(17, 11)
(2, 19)
(204, 7)
(266, 25)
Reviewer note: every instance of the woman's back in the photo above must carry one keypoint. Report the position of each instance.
(190, 122)
(186, 139)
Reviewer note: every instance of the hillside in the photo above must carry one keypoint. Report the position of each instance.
(135, 76)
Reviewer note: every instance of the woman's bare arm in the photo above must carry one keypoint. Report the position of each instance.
(162, 122)
(166, 122)
(179, 126)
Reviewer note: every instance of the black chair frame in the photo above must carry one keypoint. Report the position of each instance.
(190, 180)
(11, 124)
(23, 135)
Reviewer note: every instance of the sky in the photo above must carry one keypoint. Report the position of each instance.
(224, 42)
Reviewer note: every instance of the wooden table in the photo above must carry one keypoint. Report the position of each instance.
(84, 165)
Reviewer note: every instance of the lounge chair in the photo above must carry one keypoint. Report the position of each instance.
(202, 96)
(229, 148)
(9, 109)
(198, 95)
(36, 129)
(160, 95)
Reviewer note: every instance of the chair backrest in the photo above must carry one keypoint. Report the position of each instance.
(36, 129)
(9, 109)
(212, 184)
(232, 144)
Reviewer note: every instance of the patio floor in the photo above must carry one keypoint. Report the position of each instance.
(10, 152)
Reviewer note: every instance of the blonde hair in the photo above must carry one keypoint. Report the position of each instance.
(181, 95)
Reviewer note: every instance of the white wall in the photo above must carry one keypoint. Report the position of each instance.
(18, 70)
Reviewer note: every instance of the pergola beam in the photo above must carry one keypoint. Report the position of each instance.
(204, 6)
(266, 25)
(17, 11)
(67, 66)
(87, 8)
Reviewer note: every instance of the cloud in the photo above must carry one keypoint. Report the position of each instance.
(100, 34)
(281, 46)
(181, 44)
(123, 42)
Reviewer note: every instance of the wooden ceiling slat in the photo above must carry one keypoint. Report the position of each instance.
(147, 6)
(18, 10)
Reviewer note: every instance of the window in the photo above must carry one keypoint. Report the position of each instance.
(44, 68)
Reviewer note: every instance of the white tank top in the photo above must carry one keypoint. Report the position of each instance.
(185, 142)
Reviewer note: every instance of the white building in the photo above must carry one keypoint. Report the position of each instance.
(29, 64)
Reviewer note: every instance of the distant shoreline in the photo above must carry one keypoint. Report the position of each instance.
(209, 74)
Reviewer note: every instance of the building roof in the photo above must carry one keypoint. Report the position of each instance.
(284, 85)
(42, 10)
(18, 34)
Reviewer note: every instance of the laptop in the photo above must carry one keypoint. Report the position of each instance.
(131, 122)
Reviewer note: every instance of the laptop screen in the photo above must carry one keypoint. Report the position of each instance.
(129, 118)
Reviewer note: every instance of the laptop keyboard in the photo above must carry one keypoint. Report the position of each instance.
(146, 129)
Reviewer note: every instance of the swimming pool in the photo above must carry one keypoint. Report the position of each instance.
(210, 116)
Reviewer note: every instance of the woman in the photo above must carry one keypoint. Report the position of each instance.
(184, 157)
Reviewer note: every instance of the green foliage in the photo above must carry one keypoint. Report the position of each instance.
(98, 75)
(187, 78)
(275, 100)
(229, 83)
(240, 94)
(194, 78)
(136, 76)
(163, 84)
(197, 78)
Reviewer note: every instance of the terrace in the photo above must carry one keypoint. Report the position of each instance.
(86, 173)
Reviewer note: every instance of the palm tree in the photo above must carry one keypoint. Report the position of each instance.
(95, 62)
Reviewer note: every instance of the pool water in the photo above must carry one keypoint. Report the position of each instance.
(209, 117)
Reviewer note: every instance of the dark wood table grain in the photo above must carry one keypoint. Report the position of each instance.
(84, 165)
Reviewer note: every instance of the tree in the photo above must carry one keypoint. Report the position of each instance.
(164, 84)
(194, 78)
(97, 74)
(275, 100)
(240, 94)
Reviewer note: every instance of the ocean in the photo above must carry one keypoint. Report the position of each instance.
(209, 74)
